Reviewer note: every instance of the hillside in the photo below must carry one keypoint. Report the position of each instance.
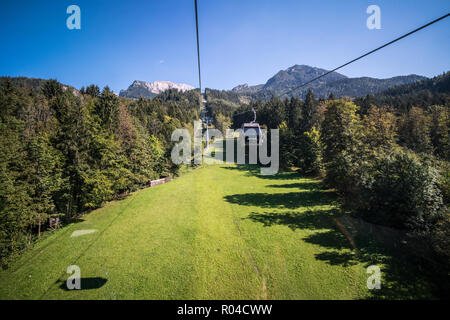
(219, 231)
(434, 91)
(66, 152)
(34, 84)
(247, 237)
(353, 87)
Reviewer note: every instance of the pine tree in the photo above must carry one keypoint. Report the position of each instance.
(293, 112)
(93, 90)
(309, 111)
(341, 139)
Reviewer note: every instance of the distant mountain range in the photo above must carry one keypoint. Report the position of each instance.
(285, 84)
(433, 91)
(151, 89)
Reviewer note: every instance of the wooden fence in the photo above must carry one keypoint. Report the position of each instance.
(159, 181)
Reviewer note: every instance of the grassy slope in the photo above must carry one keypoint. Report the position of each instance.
(219, 232)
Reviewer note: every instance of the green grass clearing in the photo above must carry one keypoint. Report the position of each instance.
(218, 232)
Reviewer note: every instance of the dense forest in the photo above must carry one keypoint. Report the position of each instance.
(64, 152)
(386, 155)
(421, 94)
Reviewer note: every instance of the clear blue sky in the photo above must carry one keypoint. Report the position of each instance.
(241, 40)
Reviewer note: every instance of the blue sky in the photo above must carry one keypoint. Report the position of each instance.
(241, 40)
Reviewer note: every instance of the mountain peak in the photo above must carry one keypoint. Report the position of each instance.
(241, 87)
(286, 83)
(299, 74)
(150, 89)
(245, 88)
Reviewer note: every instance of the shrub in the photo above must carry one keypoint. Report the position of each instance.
(402, 192)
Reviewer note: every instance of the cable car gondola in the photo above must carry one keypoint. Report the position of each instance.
(252, 132)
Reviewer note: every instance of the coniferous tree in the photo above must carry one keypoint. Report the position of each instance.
(93, 90)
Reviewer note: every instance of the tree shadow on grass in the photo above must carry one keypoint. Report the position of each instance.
(329, 239)
(255, 170)
(300, 185)
(312, 220)
(401, 278)
(334, 258)
(290, 200)
(86, 284)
